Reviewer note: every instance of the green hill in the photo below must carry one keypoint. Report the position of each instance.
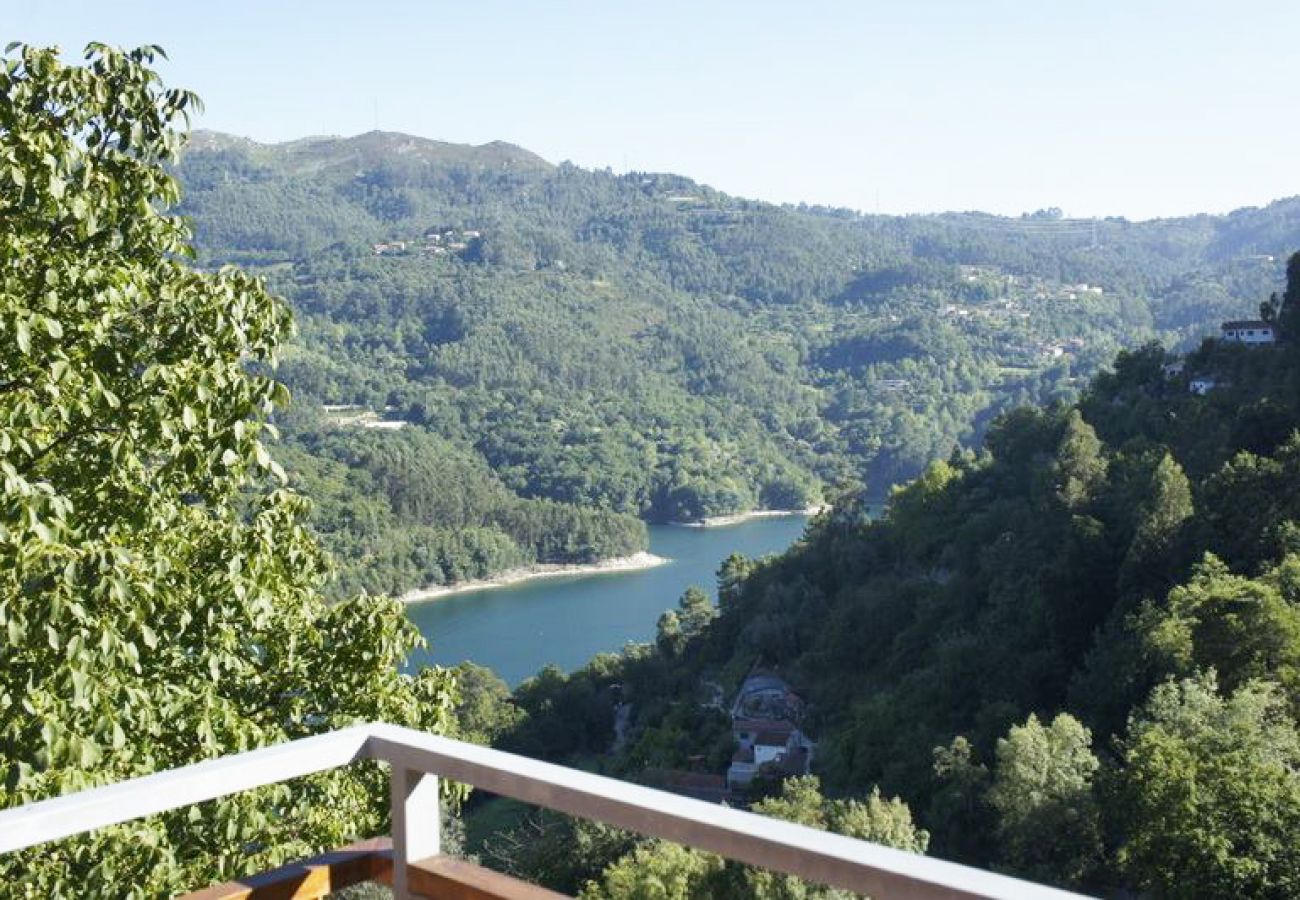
(651, 346)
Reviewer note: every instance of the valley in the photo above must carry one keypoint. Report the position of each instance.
(593, 349)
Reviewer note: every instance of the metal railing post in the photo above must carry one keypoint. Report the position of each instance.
(416, 823)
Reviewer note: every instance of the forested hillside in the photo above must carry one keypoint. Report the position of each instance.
(648, 345)
(410, 509)
(1074, 654)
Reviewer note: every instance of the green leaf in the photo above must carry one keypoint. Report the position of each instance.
(79, 680)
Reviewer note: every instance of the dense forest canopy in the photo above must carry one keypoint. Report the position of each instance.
(1074, 654)
(650, 346)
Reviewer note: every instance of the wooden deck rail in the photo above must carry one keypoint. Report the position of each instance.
(311, 879)
(438, 878)
(418, 759)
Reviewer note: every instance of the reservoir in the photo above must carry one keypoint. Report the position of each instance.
(515, 630)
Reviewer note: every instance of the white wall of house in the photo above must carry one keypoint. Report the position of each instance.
(1256, 335)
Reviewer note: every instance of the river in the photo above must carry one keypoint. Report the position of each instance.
(516, 630)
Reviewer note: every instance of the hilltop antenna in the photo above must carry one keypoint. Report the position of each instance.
(376, 102)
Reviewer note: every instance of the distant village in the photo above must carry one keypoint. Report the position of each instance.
(434, 242)
(1014, 298)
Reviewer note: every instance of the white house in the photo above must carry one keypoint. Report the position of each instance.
(764, 743)
(1249, 331)
(764, 721)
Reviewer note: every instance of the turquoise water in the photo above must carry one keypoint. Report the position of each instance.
(566, 620)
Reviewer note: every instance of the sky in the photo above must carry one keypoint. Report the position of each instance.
(1136, 108)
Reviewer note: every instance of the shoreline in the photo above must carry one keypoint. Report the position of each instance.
(738, 518)
(634, 563)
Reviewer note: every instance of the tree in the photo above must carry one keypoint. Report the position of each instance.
(1208, 797)
(878, 819)
(1048, 823)
(1080, 467)
(1242, 628)
(677, 626)
(731, 578)
(1161, 513)
(696, 611)
(159, 592)
(959, 813)
(669, 637)
(1167, 506)
(657, 871)
(1288, 311)
(1268, 309)
(484, 708)
(660, 870)
(559, 852)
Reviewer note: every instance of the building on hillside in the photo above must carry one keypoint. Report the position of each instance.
(1202, 385)
(764, 722)
(773, 746)
(766, 696)
(1249, 331)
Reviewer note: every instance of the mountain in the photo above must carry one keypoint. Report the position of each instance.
(648, 345)
(314, 155)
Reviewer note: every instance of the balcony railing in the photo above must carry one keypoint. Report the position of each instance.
(413, 864)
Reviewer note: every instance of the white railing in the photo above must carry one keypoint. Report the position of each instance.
(419, 759)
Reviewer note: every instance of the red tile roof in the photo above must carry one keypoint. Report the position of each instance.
(762, 725)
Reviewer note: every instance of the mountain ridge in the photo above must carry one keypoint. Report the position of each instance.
(313, 152)
(505, 154)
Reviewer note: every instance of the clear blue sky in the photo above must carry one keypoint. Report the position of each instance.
(1131, 108)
